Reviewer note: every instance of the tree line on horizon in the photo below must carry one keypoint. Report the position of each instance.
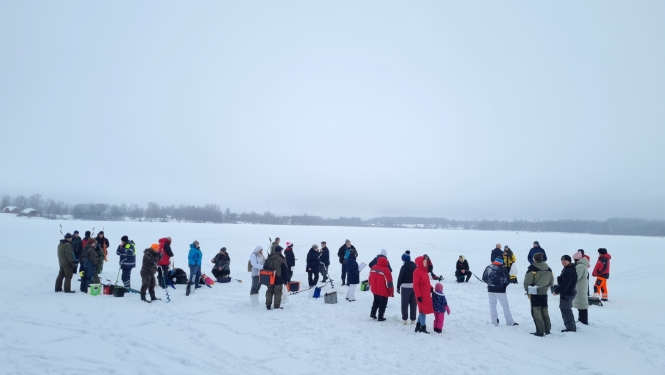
(212, 213)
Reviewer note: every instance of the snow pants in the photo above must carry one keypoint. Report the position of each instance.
(379, 304)
(566, 307)
(148, 283)
(312, 277)
(256, 285)
(351, 292)
(64, 274)
(126, 277)
(276, 292)
(408, 303)
(89, 271)
(344, 270)
(323, 269)
(540, 313)
(162, 274)
(600, 288)
(439, 318)
(494, 315)
(219, 274)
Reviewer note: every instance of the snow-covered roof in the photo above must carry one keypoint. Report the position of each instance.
(10, 208)
(28, 210)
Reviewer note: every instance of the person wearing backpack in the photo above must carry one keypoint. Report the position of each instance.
(540, 275)
(313, 264)
(127, 253)
(194, 258)
(276, 262)
(256, 261)
(164, 263)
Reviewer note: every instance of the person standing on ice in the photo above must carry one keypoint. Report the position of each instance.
(151, 256)
(325, 261)
(90, 255)
(422, 289)
(67, 264)
(382, 254)
(85, 239)
(290, 260)
(313, 264)
(274, 292)
(497, 279)
(381, 285)
(127, 253)
(440, 307)
(256, 261)
(77, 248)
(101, 256)
(539, 274)
(581, 301)
(164, 263)
(566, 289)
(103, 242)
(353, 274)
(195, 256)
(602, 272)
(496, 252)
(534, 250)
(462, 270)
(343, 254)
(430, 268)
(273, 245)
(405, 288)
(509, 260)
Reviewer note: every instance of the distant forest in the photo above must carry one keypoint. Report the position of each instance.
(213, 213)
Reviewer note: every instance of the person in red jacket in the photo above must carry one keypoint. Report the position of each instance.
(602, 272)
(423, 291)
(381, 285)
(165, 262)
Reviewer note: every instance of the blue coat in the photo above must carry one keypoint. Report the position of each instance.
(195, 256)
(439, 302)
(497, 278)
(534, 251)
(352, 273)
(127, 255)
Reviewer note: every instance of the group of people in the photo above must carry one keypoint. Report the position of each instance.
(413, 282)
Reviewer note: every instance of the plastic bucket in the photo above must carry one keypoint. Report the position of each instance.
(94, 289)
(118, 291)
(108, 290)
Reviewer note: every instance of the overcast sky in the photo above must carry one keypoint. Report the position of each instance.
(527, 109)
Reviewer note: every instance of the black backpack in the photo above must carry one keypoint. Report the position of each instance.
(180, 276)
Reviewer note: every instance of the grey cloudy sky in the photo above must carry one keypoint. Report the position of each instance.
(521, 109)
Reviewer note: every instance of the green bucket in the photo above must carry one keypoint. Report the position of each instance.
(95, 289)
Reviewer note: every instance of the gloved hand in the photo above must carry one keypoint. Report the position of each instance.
(420, 299)
(398, 291)
(447, 309)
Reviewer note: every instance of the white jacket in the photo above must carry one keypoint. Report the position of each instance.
(257, 261)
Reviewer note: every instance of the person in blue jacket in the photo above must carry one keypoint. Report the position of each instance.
(127, 253)
(535, 250)
(194, 257)
(353, 275)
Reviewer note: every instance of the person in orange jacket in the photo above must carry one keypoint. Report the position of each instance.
(602, 272)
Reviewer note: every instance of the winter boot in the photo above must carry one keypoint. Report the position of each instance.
(143, 298)
(423, 329)
(413, 322)
(584, 316)
(153, 297)
(437, 330)
(537, 334)
(404, 322)
(417, 327)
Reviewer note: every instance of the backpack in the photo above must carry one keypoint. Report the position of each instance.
(249, 266)
(268, 264)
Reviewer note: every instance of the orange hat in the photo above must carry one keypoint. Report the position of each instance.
(154, 246)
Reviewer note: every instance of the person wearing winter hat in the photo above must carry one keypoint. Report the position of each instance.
(222, 265)
(405, 288)
(353, 275)
(91, 257)
(509, 260)
(77, 248)
(256, 261)
(422, 289)
(462, 270)
(103, 243)
(313, 265)
(127, 252)
(581, 301)
(151, 256)
(290, 260)
(343, 254)
(497, 279)
(274, 292)
(540, 275)
(165, 263)
(440, 307)
(325, 261)
(534, 250)
(85, 239)
(565, 288)
(602, 272)
(67, 264)
(194, 258)
(382, 254)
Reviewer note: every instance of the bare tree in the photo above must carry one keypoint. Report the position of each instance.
(35, 201)
(6, 201)
(21, 202)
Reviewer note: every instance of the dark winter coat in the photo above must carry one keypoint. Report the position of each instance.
(534, 251)
(439, 302)
(84, 241)
(406, 274)
(567, 281)
(223, 261)
(422, 287)
(100, 255)
(290, 257)
(103, 242)
(496, 253)
(165, 249)
(77, 247)
(381, 279)
(150, 259)
(373, 262)
(90, 254)
(127, 255)
(602, 267)
(352, 272)
(65, 254)
(313, 261)
(325, 256)
(279, 265)
(343, 253)
(540, 275)
(461, 266)
(497, 278)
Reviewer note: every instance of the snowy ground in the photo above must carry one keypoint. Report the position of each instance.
(216, 331)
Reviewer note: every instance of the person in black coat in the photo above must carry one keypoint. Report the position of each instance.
(462, 270)
(496, 252)
(77, 249)
(290, 261)
(313, 265)
(342, 254)
(405, 288)
(383, 254)
(325, 261)
(566, 289)
(353, 274)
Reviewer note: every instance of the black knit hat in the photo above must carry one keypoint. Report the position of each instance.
(124, 239)
(68, 236)
(87, 233)
(602, 250)
(567, 257)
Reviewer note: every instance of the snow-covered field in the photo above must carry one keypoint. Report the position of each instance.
(215, 331)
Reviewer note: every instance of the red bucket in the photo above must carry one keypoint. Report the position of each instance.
(108, 289)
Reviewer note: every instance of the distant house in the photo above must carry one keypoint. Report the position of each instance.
(10, 210)
(30, 212)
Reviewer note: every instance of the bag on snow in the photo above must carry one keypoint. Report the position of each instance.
(364, 285)
(595, 301)
(266, 277)
(293, 286)
(224, 279)
(180, 276)
(317, 292)
(207, 280)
